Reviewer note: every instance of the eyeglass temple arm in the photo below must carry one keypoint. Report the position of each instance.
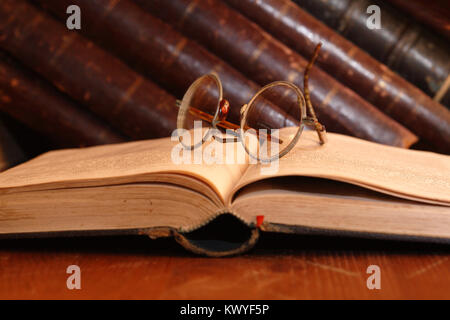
(225, 124)
(319, 127)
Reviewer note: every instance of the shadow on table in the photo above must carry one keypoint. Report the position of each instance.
(268, 244)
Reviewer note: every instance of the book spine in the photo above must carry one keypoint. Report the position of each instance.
(433, 13)
(401, 44)
(134, 105)
(352, 66)
(10, 152)
(264, 59)
(32, 101)
(158, 51)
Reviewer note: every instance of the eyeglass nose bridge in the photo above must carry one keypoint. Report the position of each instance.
(236, 138)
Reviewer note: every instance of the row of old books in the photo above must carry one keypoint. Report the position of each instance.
(118, 77)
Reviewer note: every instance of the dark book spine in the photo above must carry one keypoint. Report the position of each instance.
(34, 102)
(263, 59)
(401, 44)
(10, 152)
(155, 49)
(95, 78)
(352, 66)
(433, 13)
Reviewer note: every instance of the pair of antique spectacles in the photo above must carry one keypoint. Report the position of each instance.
(203, 102)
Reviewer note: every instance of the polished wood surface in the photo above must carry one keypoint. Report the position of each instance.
(280, 267)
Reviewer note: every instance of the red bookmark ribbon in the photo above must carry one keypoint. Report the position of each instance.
(259, 221)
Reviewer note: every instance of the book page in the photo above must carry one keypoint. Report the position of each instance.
(305, 204)
(416, 175)
(120, 163)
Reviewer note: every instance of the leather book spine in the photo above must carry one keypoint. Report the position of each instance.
(10, 152)
(433, 13)
(37, 104)
(158, 51)
(90, 75)
(372, 80)
(263, 59)
(401, 44)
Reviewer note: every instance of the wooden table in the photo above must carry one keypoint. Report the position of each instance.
(280, 267)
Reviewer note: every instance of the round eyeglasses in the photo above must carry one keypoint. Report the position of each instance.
(203, 107)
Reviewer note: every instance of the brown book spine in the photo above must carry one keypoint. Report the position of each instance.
(155, 49)
(401, 44)
(34, 102)
(352, 66)
(10, 152)
(433, 13)
(262, 58)
(136, 106)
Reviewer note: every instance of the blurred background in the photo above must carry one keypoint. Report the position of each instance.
(76, 73)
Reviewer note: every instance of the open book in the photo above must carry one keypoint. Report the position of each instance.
(347, 186)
